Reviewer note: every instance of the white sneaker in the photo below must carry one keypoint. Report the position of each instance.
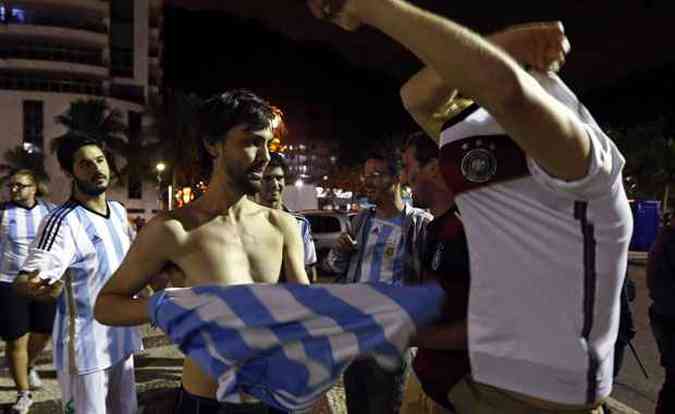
(34, 380)
(22, 404)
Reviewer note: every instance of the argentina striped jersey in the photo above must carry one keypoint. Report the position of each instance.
(84, 248)
(382, 258)
(307, 240)
(287, 344)
(18, 227)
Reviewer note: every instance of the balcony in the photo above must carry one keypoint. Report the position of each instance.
(20, 65)
(50, 18)
(72, 36)
(24, 82)
(54, 54)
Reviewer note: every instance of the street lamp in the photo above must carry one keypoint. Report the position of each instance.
(160, 167)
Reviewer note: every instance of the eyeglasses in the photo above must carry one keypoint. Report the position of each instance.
(18, 186)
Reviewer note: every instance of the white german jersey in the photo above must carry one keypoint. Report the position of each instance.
(18, 227)
(548, 258)
(85, 248)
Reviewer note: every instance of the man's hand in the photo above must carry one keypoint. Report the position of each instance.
(31, 286)
(541, 45)
(340, 12)
(345, 243)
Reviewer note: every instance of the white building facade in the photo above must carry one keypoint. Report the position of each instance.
(53, 52)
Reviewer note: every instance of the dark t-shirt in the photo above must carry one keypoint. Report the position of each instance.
(661, 273)
(446, 259)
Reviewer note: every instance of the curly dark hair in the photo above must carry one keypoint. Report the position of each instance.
(68, 146)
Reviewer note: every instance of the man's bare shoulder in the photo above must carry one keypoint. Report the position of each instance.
(281, 218)
(173, 224)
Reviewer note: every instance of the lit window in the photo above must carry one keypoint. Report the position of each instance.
(19, 15)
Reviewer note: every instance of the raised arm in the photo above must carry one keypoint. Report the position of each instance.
(294, 253)
(543, 127)
(430, 100)
(148, 255)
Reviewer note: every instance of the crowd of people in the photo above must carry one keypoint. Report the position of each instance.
(520, 217)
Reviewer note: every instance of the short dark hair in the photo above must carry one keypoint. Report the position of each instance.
(220, 113)
(278, 160)
(426, 149)
(391, 158)
(68, 146)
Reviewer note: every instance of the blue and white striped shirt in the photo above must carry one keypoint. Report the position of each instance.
(85, 248)
(287, 344)
(307, 240)
(383, 253)
(18, 227)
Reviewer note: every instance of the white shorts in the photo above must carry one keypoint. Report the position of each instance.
(110, 391)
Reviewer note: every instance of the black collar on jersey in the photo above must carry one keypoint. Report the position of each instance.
(37, 202)
(107, 207)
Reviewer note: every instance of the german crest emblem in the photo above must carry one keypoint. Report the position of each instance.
(479, 165)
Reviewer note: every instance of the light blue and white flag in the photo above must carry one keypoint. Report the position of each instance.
(288, 344)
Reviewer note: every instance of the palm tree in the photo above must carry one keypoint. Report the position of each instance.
(94, 118)
(173, 138)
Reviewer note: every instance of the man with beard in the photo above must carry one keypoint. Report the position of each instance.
(220, 238)
(442, 359)
(78, 246)
(385, 246)
(270, 195)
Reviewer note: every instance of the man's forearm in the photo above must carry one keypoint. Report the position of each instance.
(452, 336)
(117, 310)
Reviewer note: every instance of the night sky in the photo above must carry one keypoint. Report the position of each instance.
(323, 96)
(328, 97)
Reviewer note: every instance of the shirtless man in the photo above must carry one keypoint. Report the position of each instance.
(220, 238)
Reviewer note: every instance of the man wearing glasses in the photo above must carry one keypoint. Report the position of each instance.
(385, 245)
(25, 324)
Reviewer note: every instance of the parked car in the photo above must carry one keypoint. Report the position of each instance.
(326, 228)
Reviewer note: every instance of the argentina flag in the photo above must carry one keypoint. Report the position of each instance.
(287, 344)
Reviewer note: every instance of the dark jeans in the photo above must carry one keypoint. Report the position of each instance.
(664, 332)
(372, 390)
(193, 404)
